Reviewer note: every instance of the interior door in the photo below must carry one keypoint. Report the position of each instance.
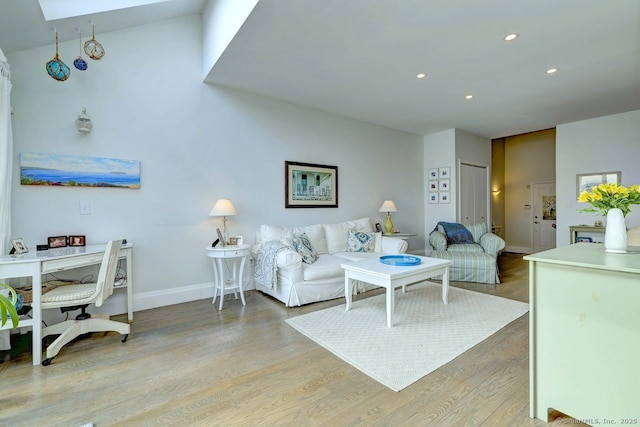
(544, 216)
(474, 194)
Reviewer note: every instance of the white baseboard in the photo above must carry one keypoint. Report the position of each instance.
(117, 303)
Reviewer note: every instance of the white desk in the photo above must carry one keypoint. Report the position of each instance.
(34, 264)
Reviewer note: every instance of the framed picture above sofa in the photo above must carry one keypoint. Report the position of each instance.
(308, 185)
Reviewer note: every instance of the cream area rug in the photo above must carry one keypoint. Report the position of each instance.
(426, 333)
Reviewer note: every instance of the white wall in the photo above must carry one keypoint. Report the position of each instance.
(610, 143)
(221, 21)
(447, 149)
(196, 143)
(529, 158)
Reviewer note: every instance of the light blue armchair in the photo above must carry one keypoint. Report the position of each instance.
(474, 254)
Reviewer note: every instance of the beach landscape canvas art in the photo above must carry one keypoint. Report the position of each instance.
(78, 171)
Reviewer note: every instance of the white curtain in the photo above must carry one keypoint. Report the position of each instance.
(6, 154)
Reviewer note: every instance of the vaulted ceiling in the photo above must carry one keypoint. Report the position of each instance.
(360, 58)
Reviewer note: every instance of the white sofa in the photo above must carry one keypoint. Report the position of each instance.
(297, 282)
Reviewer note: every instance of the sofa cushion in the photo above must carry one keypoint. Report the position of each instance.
(326, 267)
(336, 234)
(356, 256)
(304, 248)
(465, 247)
(359, 241)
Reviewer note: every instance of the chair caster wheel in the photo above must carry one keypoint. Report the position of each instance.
(124, 337)
(47, 361)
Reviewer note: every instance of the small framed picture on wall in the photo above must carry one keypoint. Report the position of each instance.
(433, 173)
(444, 172)
(433, 197)
(444, 197)
(444, 185)
(433, 185)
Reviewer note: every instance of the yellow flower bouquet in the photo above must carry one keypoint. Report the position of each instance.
(609, 196)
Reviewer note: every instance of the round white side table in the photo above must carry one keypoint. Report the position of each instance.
(238, 257)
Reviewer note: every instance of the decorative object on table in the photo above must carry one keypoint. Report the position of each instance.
(19, 246)
(77, 240)
(223, 208)
(236, 240)
(80, 171)
(614, 201)
(220, 238)
(8, 307)
(57, 241)
(400, 260)
(91, 47)
(308, 185)
(56, 68)
(388, 206)
(79, 62)
(378, 227)
(84, 123)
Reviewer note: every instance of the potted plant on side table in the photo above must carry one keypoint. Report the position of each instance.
(8, 307)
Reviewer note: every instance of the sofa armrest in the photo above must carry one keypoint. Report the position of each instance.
(289, 259)
(491, 244)
(394, 245)
(438, 240)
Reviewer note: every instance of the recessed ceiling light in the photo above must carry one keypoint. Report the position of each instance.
(421, 76)
(510, 37)
(468, 96)
(552, 71)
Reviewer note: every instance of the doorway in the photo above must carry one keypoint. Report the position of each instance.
(543, 196)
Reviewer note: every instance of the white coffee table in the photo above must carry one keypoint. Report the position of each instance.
(391, 277)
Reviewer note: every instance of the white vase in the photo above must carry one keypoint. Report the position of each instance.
(615, 234)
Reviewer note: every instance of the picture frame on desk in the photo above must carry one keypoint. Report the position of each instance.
(77, 241)
(221, 237)
(57, 241)
(19, 247)
(235, 240)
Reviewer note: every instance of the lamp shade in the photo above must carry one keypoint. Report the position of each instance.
(223, 207)
(388, 206)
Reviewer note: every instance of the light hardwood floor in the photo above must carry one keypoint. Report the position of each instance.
(192, 365)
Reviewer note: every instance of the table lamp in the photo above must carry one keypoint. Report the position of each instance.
(388, 206)
(223, 208)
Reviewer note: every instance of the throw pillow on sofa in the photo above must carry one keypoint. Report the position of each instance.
(359, 241)
(302, 245)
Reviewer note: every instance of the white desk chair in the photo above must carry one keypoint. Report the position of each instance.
(79, 296)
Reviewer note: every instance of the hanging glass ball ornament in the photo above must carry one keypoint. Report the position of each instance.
(92, 48)
(56, 68)
(80, 63)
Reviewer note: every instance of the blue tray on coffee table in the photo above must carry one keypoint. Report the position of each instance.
(400, 260)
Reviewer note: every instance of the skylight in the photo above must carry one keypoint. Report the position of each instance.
(60, 9)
